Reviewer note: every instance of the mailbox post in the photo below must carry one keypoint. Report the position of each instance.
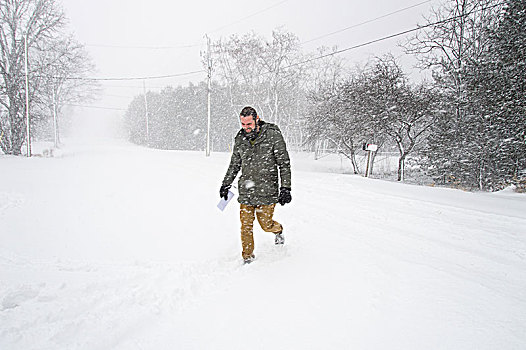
(369, 147)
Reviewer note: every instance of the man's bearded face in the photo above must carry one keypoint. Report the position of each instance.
(248, 124)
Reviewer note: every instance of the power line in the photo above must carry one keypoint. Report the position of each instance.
(118, 96)
(189, 45)
(136, 78)
(311, 59)
(243, 19)
(366, 22)
(386, 37)
(145, 47)
(151, 87)
(96, 107)
(247, 17)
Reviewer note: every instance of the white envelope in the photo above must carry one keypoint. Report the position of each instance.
(223, 203)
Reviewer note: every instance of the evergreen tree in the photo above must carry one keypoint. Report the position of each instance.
(496, 90)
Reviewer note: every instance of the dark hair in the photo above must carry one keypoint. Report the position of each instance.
(247, 111)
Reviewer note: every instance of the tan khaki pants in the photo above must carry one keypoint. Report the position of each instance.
(264, 214)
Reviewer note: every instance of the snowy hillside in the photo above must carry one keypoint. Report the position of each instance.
(121, 247)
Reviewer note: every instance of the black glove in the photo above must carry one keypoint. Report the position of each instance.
(284, 195)
(223, 192)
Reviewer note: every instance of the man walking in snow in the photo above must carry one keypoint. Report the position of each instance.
(259, 152)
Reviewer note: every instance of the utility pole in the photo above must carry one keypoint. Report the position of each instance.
(28, 127)
(209, 63)
(55, 116)
(146, 114)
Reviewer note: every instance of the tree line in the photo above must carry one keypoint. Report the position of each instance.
(464, 126)
(32, 35)
(247, 70)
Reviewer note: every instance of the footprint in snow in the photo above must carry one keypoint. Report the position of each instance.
(18, 297)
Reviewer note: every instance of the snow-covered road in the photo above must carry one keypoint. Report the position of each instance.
(121, 247)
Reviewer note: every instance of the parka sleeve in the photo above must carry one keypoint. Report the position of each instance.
(282, 159)
(234, 167)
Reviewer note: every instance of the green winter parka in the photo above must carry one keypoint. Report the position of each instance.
(259, 161)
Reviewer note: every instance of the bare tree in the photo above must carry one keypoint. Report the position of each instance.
(54, 59)
(264, 73)
(279, 78)
(324, 77)
(374, 104)
(453, 43)
(403, 112)
(20, 20)
(456, 39)
(63, 80)
(236, 66)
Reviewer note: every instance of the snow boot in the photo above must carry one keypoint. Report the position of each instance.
(279, 239)
(249, 259)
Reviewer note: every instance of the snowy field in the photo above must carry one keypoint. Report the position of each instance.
(113, 246)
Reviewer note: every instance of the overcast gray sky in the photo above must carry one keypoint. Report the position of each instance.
(137, 38)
